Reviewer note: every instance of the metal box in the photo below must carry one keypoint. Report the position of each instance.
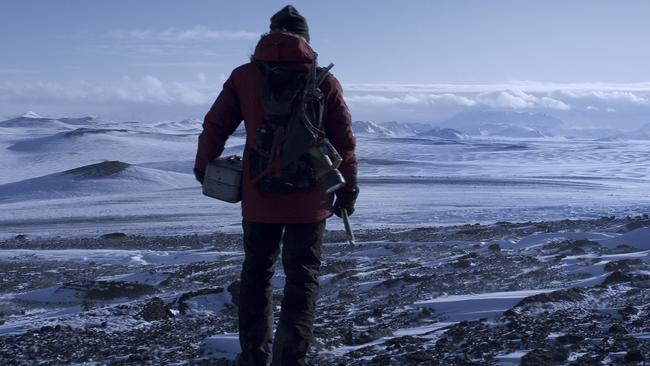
(223, 179)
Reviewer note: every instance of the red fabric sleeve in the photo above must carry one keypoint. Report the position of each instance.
(219, 123)
(337, 124)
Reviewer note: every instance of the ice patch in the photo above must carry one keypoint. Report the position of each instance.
(456, 308)
(222, 346)
(639, 238)
(114, 256)
(208, 304)
(510, 359)
(537, 240)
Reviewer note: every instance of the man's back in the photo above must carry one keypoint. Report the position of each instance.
(241, 100)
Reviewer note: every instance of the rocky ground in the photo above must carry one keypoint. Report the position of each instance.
(542, 293)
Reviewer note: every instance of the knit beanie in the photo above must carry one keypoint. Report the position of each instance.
(289, 20)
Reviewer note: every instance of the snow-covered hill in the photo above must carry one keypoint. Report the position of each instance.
(443, 133)
(103, 178)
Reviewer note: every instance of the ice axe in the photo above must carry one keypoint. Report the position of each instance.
(348, 227)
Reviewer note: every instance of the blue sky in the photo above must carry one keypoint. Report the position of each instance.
(410, 60)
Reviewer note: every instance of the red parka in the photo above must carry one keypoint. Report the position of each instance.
(240, 100)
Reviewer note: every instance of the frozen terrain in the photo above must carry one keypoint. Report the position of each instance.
(87, 176)
(544, 293)
(486, 243)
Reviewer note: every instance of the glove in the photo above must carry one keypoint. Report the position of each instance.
(346, 200)
(199, 175)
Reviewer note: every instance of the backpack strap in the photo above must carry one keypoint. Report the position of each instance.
(322, 74)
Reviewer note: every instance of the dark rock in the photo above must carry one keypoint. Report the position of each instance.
(543, 357)
(353, 338)
(572, 294)
(634, 356)
(617, 329)
(628, 310)
(155, 309)
(462, 263)
(637, 225)
(419, 355)
(622, 265)
(99, 170)
(465, 261)
(233, 289)
(21, 237)
(617, 277)
(570, 338)
(107, 290)
(494, 247)
(114, 236)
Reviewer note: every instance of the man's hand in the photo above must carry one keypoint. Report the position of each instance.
(199, 175)
(346, 200)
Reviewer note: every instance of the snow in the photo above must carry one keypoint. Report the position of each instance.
(52, 295)
(639, 238)
(115, 256)
(475, 306)
(147, 277)
(208, 304)
(222, 346)
(537, 240)
(31, 114)
(406, 180)
(511, 359)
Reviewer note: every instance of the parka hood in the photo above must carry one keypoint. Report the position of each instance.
(283, 47)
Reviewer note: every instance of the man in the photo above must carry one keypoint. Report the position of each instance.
(296, 219)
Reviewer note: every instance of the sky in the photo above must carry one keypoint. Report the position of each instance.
(584, 61)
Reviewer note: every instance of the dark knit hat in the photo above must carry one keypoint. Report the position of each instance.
(289, 20)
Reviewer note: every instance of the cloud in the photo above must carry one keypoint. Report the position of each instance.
(411, 99)
(201, 91)
(507, 99)
(198, 33)
(147, 90)
(525, 86)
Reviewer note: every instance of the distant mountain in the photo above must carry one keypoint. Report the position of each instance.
(472, 118)
(504, 123)
(443, 133)
(405, 128)
(96, 179)
(370, 128)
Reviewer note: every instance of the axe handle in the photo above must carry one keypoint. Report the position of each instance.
(348, 227)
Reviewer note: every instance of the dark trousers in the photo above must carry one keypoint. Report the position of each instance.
(301, 250)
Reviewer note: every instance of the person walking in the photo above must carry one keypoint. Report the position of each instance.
(290, 221)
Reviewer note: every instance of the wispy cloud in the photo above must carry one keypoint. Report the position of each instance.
(198, 33)
(412, 99)
(201, 91)
(518, 99)
(525, 86)
(504, 99)
(148, 89)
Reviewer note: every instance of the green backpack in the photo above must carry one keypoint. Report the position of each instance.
(294, 105)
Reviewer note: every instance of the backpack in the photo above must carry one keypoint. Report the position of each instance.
(293, 104)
